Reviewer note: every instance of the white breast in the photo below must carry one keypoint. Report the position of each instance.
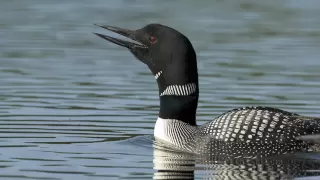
(160, 130)
(175, 132)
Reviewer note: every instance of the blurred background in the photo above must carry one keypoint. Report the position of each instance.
(75, 106)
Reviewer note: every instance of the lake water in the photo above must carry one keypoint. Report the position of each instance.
(73, 106)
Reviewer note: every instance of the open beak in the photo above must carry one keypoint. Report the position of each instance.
(124, 32)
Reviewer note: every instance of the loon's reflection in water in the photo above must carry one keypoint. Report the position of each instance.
(172, 164)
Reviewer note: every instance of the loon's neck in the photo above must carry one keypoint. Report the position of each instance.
(179, 102)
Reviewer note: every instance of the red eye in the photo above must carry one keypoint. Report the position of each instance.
(152, 39)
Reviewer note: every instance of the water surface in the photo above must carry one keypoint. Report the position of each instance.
(73, 106)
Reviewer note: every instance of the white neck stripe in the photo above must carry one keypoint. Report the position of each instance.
(180, 90)
(158, 74)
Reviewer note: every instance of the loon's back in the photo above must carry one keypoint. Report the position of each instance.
(256, 131)
(255, 125)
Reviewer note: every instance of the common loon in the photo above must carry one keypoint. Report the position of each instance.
(247, 131)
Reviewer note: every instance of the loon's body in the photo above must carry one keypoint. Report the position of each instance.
(242, 132)
(247, 131)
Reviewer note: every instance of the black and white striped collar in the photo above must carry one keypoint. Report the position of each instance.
(180, 90)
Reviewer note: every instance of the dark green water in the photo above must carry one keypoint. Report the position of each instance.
(73, 106)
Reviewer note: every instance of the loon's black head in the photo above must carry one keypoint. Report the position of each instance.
(167, 52)
(172, 60)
